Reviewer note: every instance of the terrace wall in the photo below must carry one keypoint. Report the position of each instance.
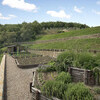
(2, 76)
(51, 53)
(55, 52)
(82, 75)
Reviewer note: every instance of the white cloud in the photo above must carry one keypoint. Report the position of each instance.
(78, 10)
(98, 2)
(7, 18)
(60, 14)
(20, 4)
(96, 12)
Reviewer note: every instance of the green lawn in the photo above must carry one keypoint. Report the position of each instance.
(81, 32)
(70, 44)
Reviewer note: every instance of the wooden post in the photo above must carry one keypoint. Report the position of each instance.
(70, 70)
(86, 77)
(37, 95)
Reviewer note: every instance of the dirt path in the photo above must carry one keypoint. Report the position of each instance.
(18, 81)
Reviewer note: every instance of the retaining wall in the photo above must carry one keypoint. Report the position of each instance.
(2, 71)
(82, 75)
(53, 54)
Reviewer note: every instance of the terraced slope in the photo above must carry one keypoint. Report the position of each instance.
(70, 44)
(80, 39)
(87, 31)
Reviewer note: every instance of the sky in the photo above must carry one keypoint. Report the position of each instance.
(80, 11)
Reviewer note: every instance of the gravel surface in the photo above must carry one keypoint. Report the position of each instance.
(18, 81)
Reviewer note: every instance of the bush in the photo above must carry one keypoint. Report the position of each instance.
(86, 61)
(81, 60)
(97, 60)
(77, 92)
(54, 88)
(47, 69)
(64, 61)
(64, 77)
(97, 90)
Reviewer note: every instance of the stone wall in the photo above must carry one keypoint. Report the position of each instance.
(2, 71)
(49, 53)
(82, 75)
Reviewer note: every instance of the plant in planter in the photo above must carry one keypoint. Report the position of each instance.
(96, 71)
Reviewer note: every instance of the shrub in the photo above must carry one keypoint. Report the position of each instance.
(81, 60)
(64, 61)
(47, 69)
(64, 77)
(86, 61)
(97, 90)
(97, 60)
(77, 92)
(54, 88)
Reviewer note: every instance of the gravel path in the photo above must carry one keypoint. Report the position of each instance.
(18, 81)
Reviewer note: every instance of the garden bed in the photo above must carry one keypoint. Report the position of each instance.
(31, 60)
(42, 77)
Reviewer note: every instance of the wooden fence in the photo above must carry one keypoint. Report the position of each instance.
(82, 75)
(37, 95)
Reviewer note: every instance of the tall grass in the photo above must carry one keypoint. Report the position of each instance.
(81, 32)
(70, 44)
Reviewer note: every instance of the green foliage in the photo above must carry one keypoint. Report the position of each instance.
(64, 77)
(59, 24)
(97, 59)
(78, 44)
(1, 55)
(81, 60)
(64, 61)
(10, 33)
(85, 61)
(86, 31)
(70, 91)
(54, 88)
(2, 50)
(97, 90)
(77, 92)
(47, 69)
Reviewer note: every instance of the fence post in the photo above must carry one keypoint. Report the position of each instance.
(70, 70)
(86, 77)
(37, 95)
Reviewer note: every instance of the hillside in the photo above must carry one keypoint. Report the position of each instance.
(80, 32)
(88, 38)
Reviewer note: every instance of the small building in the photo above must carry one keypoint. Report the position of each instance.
(62, 31)
(15, 48)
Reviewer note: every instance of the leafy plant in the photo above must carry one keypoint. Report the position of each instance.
(97, 90)
(64, 61)
(64, 77)
(54, 88)
(77, 92)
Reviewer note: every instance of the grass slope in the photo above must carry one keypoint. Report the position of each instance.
(81, 32)
(70, 44)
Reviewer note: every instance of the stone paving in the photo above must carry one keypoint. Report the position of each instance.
(18, 81)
